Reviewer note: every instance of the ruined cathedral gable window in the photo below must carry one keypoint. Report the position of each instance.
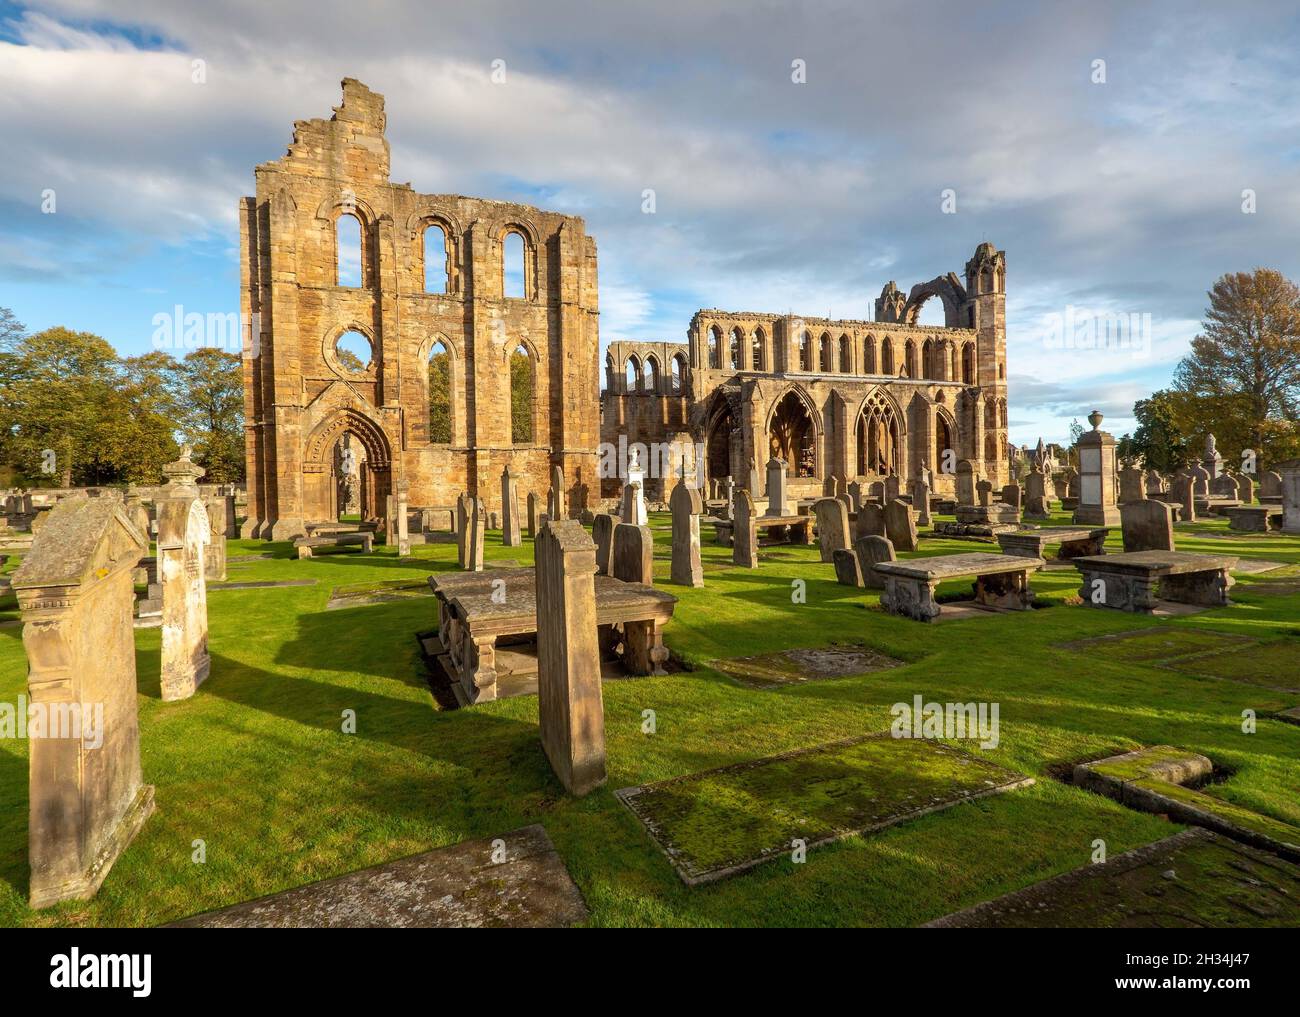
(348, 248)
(513, 257)
(435, 259)
(354, 353)
(522, 380)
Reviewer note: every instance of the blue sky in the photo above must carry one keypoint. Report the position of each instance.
(1122, 196)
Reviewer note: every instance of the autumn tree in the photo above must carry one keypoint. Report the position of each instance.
(1245, 364)
(207, 397)
(1160, 441)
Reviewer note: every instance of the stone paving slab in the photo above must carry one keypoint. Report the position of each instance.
(1194, 879)
(721, 822)
(261, 584)
(452, 887)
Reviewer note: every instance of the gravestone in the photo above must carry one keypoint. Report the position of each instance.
(632, 505)
(403, 518)
(555, 497)
(1096, 504)
(870, 521)
(1270, 485)
(1153, 484)
(183, 534)
(847, 570)
(832, 526)
(892, 488)
(1011, 496)
(1147, 525)
(1245, 489)
(755, 482)
(1037, 502)
(474, 542)
(728, 489)
(463, 509)
(1132, 485)
(777, 502)
(633, 556)
(857, 492)
(1183, 491)
(984, 493)
(686, 506)
(965, 482)
(1224, 486)
(86, 800)
(871, 549)
(900, 527)
(636, 481)
(532, 514)
(214, 559)
(510, 509)
(1289, 472)
(920, 492)
(1202, 479)
(570, 711)
(602, 532)
(1213, 462)
(744, 532)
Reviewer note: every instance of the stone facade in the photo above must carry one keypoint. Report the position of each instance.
(835, 399)
(433, 276)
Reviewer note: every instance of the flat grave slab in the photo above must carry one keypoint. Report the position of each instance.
(721, 822)
(1256, 566)
(364, 594)
(452, 887)
(1194, 879)
(260, 584)
(1291, 716)
(795, 667)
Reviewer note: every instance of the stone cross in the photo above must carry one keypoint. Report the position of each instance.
(832, 526)
(744, 532)
(686, 506)
(570, 711)
(86, 802)
(776, 488)
(183, 534)
(510, 509)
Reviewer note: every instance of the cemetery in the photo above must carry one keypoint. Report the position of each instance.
(427, 662)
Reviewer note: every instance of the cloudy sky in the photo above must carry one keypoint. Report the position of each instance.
(1115, 188)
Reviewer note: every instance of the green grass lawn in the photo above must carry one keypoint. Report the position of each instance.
(257, 767)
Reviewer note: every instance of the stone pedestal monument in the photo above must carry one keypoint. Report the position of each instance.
(1097, 476)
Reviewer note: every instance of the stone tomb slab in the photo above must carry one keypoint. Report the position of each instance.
(1158, 644)
(260, 584)
(364, 594)
(1256, 566)
(452, 887)
(1194, 879)
(721, 822)
(795, 667)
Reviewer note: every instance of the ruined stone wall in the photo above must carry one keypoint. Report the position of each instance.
(301, 397)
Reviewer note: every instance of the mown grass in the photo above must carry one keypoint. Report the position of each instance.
(258, 768)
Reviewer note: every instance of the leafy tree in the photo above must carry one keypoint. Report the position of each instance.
(207, 398)
(1160, 441)
(1247, 359)
(521, 398)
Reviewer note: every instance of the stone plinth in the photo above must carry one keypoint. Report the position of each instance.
(1096, 505)
(183, 533)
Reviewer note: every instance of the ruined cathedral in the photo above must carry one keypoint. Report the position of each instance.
(837, 400)
(422, 343)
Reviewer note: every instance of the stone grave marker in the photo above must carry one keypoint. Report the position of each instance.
(633, 555)
(900, 527)
(744, 531)
(686, 506)
(1147, 526)
(183, 534)
(832, 526)
(871, 549)
(510, 536)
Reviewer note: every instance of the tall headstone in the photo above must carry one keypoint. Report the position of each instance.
(510, 509)
(686, 506)
(728, 488)
(602, 532)
(86, 800)
(1183, 491)
(920, 492)
(1147, 526)
(744, 531)
(871, 549)
(570, 711)
(965, 482)
(1245, 489)
(477, 529)
(892, 488)
(464, 506)
(403, 518)
(1289, 472)
(532, 514)
(214, 559)
(777, 502)
(632, 506)
(636, 481)
(1037, 501)
(633, 556)
(870, 521)
(1096, 476)
(555, 508)
(183, 534)
(832, 526)
(857, 491)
